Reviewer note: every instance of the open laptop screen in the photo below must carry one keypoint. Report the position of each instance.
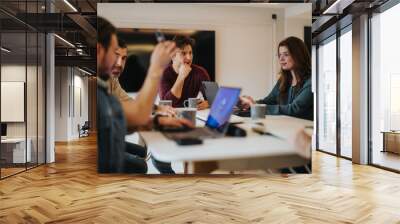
(222, 108)
(210, 89)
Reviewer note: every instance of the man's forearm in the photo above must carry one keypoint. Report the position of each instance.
(177, 88)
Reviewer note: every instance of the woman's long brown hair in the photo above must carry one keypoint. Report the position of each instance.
(302, 65)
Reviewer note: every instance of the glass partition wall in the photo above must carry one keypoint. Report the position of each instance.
(327, 95)
(345, 65)
(385, 90)
(334, 104)
(22, 77)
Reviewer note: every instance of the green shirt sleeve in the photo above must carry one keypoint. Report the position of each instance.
(300, 104)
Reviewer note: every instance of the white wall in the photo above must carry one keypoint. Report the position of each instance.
(296, 18)
(17, 73)
(244, 36)
(69, 85)
(81, 96)
(61, 103)
(14, 73)
(295, 27)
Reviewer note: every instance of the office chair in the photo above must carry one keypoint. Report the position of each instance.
(84, 130)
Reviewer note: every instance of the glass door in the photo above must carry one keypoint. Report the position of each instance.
(327, 96)
(13, 103)
(385, 89)
(22, 67)
(345, 42)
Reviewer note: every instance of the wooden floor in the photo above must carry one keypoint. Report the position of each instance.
(386, 159)
(10, 171)
(70, 191)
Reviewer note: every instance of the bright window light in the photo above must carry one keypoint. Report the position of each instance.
(70, 5)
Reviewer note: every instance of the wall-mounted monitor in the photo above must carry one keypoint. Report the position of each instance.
(12, 101)
(3, 129)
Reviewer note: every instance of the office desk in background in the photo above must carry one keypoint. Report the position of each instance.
(391, 141)
(13, 150)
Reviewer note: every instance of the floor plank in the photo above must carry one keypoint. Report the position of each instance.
(71, 191)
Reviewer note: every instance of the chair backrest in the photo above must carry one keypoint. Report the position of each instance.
(86, 125)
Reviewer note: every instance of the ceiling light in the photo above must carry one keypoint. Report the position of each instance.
(65, 41)
(78, 44)
(80, 51)
(86, 72)
(331, 7)
(70, 5)
(338, 6)
(5, 50)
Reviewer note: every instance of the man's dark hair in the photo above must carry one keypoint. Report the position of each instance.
(122, 43)
(105, 30)
(182, 41)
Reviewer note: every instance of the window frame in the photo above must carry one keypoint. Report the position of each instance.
(371, 14)
(333, 37)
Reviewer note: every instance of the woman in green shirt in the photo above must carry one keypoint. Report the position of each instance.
(292, 93)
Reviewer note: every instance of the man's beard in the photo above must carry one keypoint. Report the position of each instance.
(103, 73)
(104, 76)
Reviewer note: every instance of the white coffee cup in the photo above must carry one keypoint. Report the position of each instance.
(257, 111)
(165, 103)
(187, 113)
(191, 103)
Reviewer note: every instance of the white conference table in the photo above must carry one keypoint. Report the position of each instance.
(253, 152)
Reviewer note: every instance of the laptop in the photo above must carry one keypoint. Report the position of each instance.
(210, 89)
(218, 118)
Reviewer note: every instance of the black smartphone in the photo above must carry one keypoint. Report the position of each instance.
(189, 141)
(174, 129)
(160, 36)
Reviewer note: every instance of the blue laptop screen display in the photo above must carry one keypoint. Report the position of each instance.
(222, 107)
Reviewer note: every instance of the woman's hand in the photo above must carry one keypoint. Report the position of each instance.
(203, 104)
(246, 102)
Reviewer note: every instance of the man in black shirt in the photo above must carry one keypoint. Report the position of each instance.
(114, 119)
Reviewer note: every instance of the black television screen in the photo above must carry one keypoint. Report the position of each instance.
(140, 43)
(3, 129)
